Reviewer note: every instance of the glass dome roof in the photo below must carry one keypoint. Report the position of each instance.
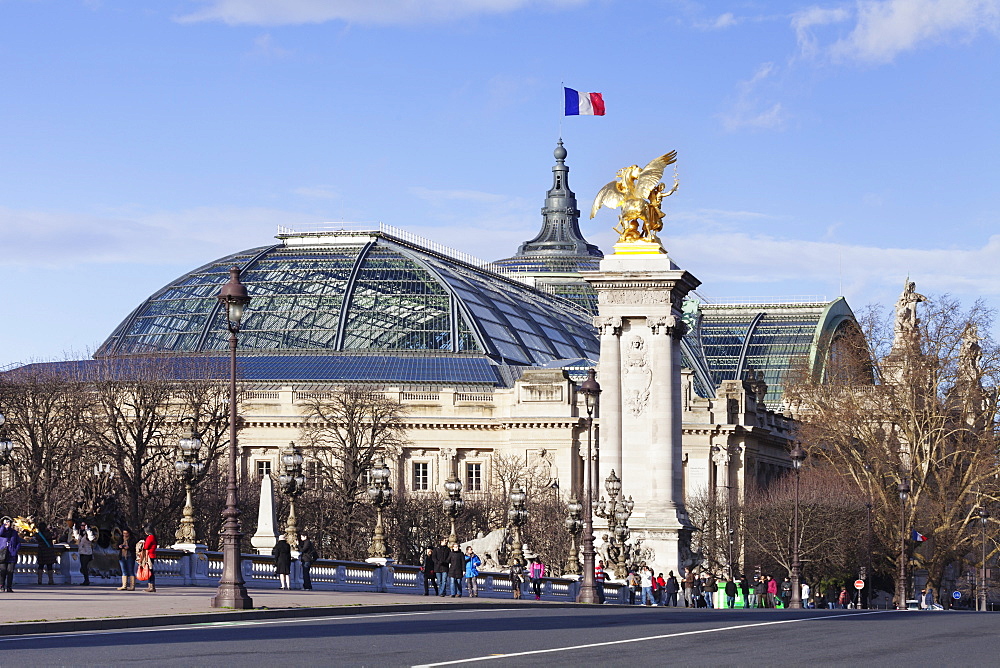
(347, 291)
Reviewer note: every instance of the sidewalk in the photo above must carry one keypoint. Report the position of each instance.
(67, 608)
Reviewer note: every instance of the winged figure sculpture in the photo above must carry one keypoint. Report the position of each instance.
(639, 193)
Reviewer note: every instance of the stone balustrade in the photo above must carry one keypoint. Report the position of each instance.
(203, 568)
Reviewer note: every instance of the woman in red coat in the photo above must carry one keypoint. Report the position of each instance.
(145, 552)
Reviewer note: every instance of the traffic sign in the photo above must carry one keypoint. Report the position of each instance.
(956, 595)
(859, 584)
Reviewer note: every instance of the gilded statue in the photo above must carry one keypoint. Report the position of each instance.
(640, 194)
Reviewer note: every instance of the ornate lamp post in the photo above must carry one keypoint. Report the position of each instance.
(591, 391)
(381, 496)
(517, 515)
(453, 504)
(984, 515)
(617, 511)
(6, 445)
(622, 535)
(798, 455)
(292, 484)
(904, 493)
(232, 592)
(574, 525)
(189, 469)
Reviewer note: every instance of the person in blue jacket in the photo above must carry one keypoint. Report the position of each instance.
(10, 543)
(472, 564)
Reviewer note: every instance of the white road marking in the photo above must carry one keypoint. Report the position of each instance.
(569, 648)
(246, 622)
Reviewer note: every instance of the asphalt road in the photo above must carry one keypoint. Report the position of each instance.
(544, 636)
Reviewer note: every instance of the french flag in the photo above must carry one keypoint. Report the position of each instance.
(583, 104)
(917, 537)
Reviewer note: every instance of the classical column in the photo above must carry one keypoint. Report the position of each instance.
(665, 455)
(610, 328)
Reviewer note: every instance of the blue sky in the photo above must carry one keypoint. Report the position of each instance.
(824, 148)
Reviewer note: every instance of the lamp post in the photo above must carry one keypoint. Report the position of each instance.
(798, 455)
(591, 391)
(574, 525)
(381, 496)
(6, 445)
(232, 591)
(517, 515)
(984, 515)
(189, 468)
(292, 484)
(453, 504)
(617, 511)
(904, 493)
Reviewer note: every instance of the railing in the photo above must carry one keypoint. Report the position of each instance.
(419, 396)
(260, 395)
(202, 568)
(474, 396)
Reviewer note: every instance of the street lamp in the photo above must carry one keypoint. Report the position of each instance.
(591, 391)
(617, 511)
(574, 525)
(232, 591)
(453, 504)
(983, 516)
(380, 493)
(798, 455)
(292, 484)
(517, 515)
(189, 468)
(6, 445)
(904, 494)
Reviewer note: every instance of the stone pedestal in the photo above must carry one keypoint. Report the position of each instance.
(640, 299)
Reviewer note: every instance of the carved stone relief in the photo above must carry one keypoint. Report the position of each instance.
(636, 376)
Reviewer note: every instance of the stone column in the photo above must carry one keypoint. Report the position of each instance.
(609, 376)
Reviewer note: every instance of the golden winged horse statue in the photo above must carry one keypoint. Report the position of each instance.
(639, 193)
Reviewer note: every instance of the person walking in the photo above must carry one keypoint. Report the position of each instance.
(441, 557)
(47, 554)
(659, 585)
(517, 577)
(730, 593)
(536, 571)
(689, 588)
(282, 553)
(759, 593)
(786, 593)
(307, 555)
(670, 590)
(145, 553)
(843, 598)
(472, 564)
(805, 596)
(745, 590)
(10, 545)
(126, 560)
(708, 589)
(772, 592)
(646, 582)
(599, 577)
(456, 571)
(84, 537)
(633, 585)
(427, 569)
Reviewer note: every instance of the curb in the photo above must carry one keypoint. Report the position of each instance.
(186, 619)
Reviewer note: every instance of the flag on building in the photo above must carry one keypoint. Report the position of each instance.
(917, 537)
(583, 104)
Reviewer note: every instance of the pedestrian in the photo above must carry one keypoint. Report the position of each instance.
(282, 553)
(843, 598)
(536, 571)
(689, 588)
(599, 577)
(805, 596)
(145, 553)
(441, 557)
(709, 587)
(646, 582)
(745, 590)
(307, 555)
(659, 587)
(772, 592)
(427, 568)
(759, 599)
(47, 554)
(456, 571)
(730, 593)
(786, 593)
(517, 577)
(670, 589)
(927, 599)
(126, 560)
(84, 537)
(10, 544)
(472, 564)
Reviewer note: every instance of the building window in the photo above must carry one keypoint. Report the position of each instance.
(312, 473)
(474, 477)
(421, 477)
(263, 467)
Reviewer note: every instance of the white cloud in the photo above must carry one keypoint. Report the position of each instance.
(384, 12)
(885, 28)
(265, 46)
(749, 110)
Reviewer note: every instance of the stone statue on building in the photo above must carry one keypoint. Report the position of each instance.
(639, 193)
(905, 327)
